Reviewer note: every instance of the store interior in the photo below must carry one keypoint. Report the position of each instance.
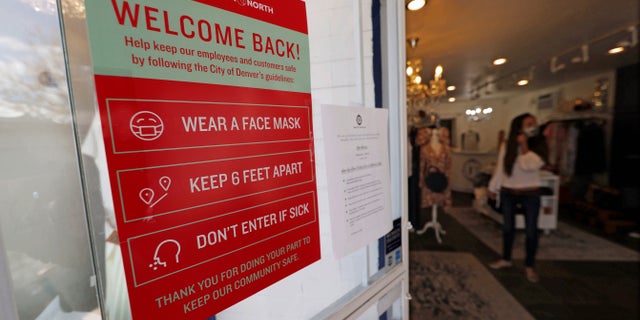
(471, 68)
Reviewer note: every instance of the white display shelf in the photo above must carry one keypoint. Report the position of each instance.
(548, 217)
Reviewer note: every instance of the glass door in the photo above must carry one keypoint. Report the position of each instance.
(46, 250)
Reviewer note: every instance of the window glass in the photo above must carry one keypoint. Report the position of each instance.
(54, 189)
(42, 222)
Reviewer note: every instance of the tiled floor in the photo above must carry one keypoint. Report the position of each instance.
(567, 290)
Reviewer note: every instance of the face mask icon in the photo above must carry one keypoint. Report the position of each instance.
(168, 247)
(146, 125)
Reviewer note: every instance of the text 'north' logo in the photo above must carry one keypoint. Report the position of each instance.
(256, 5)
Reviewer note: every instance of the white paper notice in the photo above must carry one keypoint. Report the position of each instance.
(357, 164)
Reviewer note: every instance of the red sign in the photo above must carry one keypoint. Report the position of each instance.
(213, 185)
(208, 220)
(173, 189)
(168, 252)
(138, 125)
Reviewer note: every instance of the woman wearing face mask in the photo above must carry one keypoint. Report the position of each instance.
(517, 180)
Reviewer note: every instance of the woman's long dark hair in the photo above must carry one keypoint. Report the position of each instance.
(512, 142)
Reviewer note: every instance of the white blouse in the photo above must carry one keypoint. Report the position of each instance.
(525, 174)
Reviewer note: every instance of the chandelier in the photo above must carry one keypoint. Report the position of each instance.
(421, 96)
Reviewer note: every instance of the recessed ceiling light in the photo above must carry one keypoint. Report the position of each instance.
(414, 5)
(451, 88)
(616, 50)
(523, 82)
(452, 99)
(499, 61)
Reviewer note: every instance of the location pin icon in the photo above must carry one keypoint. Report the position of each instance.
(165, 182)
(146, 195)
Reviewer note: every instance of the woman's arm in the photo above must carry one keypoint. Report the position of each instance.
(527, 160)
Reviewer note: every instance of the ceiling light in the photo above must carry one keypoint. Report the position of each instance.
(451, 88)
(413, 42)
(409, 70)
(478, 113)
(414, 5)
(438, 73)
(421, 94)
(427, 93)
(452, 99)
(523, 82)
(499, 61)
(628, 43)
(616, 50)
(555, 65)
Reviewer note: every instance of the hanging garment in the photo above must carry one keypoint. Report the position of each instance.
(470, 140)
(569, 155)
(550, 135)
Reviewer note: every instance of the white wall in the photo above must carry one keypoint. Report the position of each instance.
(340, 41)
(505, 109)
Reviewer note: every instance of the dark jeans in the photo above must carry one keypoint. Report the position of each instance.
(531, 207)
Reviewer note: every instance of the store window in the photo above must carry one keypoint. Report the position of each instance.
(58, 246)
(46, 248)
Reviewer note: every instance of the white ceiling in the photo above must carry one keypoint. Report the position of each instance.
(465, 36)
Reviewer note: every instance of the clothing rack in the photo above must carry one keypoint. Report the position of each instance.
(576, 158)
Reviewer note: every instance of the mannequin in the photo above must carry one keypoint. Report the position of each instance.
(435, 156)
(435, 143)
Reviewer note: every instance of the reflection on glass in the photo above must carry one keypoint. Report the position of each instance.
(43, 222)
(387, 307)
(34, 82)
(73, 8)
